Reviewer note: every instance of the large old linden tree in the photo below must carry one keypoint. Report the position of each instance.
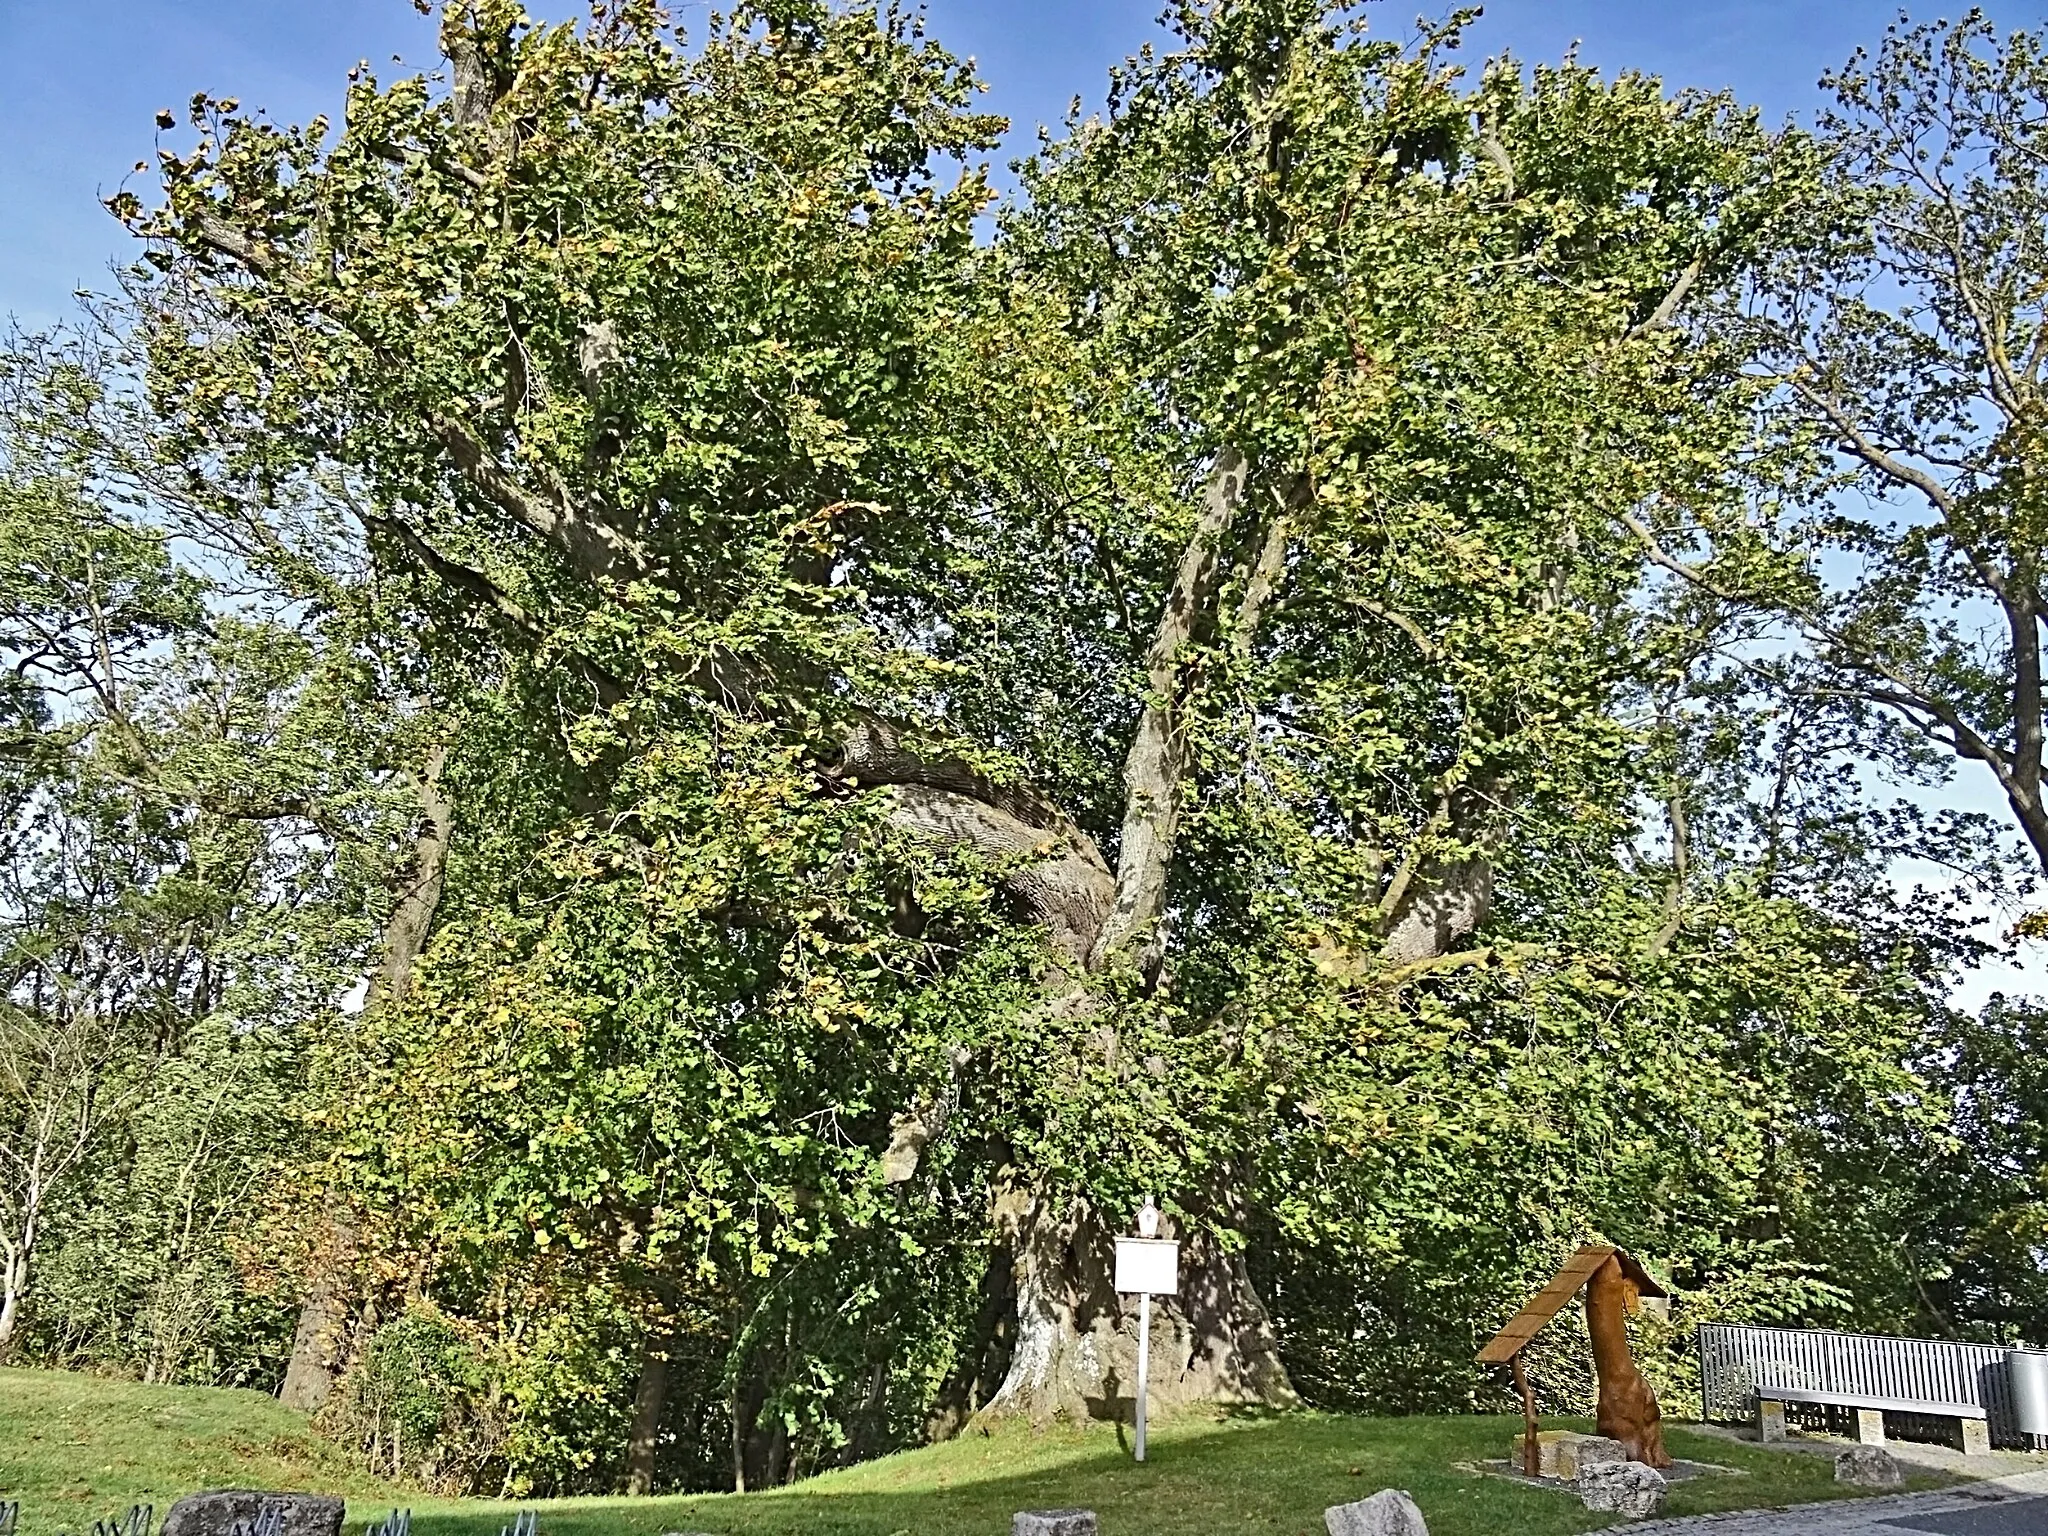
(949, 715)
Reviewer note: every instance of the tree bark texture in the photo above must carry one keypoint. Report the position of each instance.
(321, 1341)
(1628, 1409)
(1076, 1348)
(650, 1405)
(14, 1265)
(1155, 769)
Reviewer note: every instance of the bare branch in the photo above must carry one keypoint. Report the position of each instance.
(1667, 310)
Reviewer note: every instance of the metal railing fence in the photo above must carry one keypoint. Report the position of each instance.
(1736, 1361)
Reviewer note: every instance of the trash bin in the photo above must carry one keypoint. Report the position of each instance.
(2028, 1371)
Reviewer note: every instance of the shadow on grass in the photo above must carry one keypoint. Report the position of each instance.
(1271, 1475)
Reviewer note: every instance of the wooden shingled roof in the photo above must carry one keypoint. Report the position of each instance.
(1554, 1298)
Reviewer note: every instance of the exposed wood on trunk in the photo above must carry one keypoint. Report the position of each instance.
(1444, 890)
(1059, 878)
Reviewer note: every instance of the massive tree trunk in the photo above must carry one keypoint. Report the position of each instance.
(1076, 1348)
(320, 1346)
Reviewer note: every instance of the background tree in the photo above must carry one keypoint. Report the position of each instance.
(1903, 336)
(191, 832)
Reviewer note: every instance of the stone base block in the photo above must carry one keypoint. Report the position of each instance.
(1976, 1437)
(1770, 1421)
(1869, 1426)
(1053, 1522)
(1562, 1454)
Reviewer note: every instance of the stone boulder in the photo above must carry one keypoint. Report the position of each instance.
(1868, 1466)
(1053, 1522)
(219, 1512)
(1387, 1513)
(1626, 1488)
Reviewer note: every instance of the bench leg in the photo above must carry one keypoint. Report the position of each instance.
(1869, 1426)
(1770, 1421)
(1976, 1437)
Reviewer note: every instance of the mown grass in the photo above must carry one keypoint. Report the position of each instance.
(73, 1448)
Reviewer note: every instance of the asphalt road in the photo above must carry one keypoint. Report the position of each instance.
(2026, 1518)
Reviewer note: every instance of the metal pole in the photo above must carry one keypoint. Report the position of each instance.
(1706, 1403)
(1144, 1362)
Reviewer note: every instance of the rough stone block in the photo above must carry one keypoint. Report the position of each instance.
(1869, 1426)
(1560, 1453)
(1053, 1522)
(1626, 1488)
(1588, 1451)
(1866, 1466)
(1770, 1421)
(1546, 1451)
(216, 1513)
(1976, 1437)
(1389, 1512)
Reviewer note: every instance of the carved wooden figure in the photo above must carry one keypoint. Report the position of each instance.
(1628, 1408)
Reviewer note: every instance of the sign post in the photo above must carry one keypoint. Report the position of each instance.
(1148, 1265)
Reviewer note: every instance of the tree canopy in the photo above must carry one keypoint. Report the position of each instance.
(752, 742)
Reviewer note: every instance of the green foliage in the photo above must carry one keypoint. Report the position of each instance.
(416, 1398)
(143, 1272)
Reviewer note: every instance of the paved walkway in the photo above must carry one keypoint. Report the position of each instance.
(2015, 1504)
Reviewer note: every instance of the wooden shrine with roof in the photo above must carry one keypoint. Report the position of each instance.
(1615, 1285)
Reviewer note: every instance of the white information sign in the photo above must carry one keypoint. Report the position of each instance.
(1148, 1264)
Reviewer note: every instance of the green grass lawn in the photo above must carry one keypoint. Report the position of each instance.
(73, 1448)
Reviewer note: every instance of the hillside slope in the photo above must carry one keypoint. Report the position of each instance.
(74, 1449)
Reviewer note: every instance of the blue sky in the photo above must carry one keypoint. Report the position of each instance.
(80, 80)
